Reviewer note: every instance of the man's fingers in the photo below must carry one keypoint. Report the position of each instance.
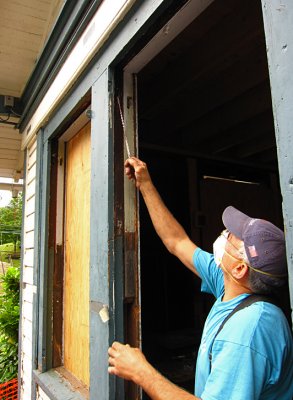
(129, 171)
(111, 361)
(117, 345)
(132, 161)
(112, 352)
(112, 370)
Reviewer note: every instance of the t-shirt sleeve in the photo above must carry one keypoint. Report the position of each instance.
(210, 273)
(237, 373)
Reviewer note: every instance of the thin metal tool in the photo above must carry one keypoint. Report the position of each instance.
(123, 125)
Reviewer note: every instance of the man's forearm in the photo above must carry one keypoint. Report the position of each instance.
(159, 388)
(166, 226)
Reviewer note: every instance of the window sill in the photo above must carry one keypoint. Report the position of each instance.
(56, 387)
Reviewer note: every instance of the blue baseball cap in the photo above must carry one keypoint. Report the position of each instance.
(264, 242)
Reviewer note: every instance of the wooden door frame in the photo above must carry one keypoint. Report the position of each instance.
(278, 17)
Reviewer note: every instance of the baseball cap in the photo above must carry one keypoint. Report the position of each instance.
(264, 242)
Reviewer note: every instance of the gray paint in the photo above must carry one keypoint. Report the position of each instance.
(55, 386)
(278, 23)
(37, 249)
(101, 231)
(119, 44)
(43, 208)
(73, 18)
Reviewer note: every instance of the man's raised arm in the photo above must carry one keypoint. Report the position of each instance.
(167, 227)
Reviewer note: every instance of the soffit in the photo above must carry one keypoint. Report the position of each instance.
(24, 29)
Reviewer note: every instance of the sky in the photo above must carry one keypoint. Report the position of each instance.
(5, 197)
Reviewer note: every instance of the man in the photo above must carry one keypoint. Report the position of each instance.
(252, 356)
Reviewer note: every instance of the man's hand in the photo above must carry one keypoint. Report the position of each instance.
(129, 363)
(136, 169)
(167, 227)
(126, 362)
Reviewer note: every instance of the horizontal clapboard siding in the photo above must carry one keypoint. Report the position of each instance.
(28, 288)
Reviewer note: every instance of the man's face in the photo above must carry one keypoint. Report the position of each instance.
(227, 250)
(232, 253)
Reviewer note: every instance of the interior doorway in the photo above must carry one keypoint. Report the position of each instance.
(205, 128)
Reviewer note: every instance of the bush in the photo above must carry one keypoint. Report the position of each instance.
(8, 359)
(9, 320)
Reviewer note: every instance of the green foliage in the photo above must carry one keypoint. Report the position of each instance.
(8, 248)
(8, 359)
(10, 220)
(9, 319)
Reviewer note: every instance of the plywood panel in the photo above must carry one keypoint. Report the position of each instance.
(76, 279)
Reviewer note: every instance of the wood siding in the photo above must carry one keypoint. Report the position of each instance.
(28, 288)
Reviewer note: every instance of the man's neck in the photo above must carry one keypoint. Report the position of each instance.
(232, 289)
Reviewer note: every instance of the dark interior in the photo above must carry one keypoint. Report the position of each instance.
(208, 92)
(206, 131)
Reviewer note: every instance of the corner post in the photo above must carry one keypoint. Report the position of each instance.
(278, 25)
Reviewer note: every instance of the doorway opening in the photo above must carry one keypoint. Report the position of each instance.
(206, 131)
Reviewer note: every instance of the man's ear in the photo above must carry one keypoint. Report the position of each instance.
(240, 271)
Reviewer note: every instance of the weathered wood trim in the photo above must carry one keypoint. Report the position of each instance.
(137, 18)
(103, 23)
(36, 255)
(132, 310)
(117, 270)
(73, 19)
(101, 237)
(55, 272)
(43, 279)
(278, 24)
(55, 387)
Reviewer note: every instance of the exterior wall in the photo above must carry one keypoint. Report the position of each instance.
(28, 288)
(100, 124)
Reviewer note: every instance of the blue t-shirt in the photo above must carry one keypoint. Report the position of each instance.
(252, 356)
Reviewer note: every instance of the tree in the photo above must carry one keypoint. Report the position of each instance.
(10, 221)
